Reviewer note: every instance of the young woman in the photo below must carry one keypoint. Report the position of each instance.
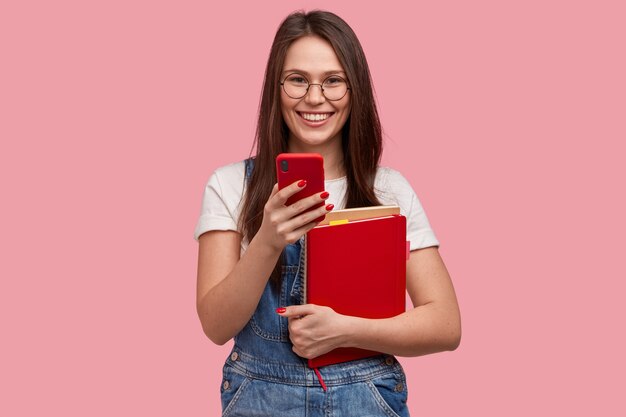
(317, 97)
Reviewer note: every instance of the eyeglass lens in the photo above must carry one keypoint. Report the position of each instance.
(333, 87)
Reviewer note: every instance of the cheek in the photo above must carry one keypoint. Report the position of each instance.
(288, 120)
(346, 108)
(286, 108)
(285, 113)
(346, 112)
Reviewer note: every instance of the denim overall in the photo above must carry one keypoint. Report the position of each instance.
(263, 376)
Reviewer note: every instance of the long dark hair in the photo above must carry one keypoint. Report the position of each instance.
(361, 134)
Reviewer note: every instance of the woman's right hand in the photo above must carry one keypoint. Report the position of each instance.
(283, 224)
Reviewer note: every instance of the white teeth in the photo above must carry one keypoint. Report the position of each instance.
(315, 117)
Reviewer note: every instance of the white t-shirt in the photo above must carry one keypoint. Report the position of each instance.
(223, 194)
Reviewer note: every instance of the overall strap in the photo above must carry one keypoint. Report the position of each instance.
(249, 163)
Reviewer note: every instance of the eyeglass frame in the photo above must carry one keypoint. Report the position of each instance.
(282, 83)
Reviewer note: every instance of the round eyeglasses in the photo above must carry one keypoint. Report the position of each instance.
(297, 86)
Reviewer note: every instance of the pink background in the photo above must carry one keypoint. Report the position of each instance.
(507, 117)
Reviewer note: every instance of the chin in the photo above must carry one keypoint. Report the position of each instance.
(313, 141)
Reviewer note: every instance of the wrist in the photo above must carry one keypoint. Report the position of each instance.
(263, 245)
(352, 329)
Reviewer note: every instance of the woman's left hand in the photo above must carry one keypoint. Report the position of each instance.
(315, 330)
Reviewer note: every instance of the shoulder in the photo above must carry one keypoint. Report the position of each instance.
(229, 178)
(390, 175)
(232, 171)
(391, 187)
(221, 199)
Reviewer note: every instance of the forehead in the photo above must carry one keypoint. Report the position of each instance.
(313, 55)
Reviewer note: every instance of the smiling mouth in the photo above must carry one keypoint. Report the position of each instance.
(315, 117)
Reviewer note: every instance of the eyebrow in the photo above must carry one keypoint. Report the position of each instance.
(307, 73)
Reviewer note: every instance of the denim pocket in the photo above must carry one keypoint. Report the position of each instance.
(265, 322)
(233, 386)
(390, 393)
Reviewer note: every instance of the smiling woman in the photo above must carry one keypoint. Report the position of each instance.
(315, 113)
(317, 97)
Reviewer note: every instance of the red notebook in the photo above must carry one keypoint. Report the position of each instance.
(357, 268)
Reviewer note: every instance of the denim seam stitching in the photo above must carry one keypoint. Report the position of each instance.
(380, 400)
(332, 382)
(231, 404)
(262, 333)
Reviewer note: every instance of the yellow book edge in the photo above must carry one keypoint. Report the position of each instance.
(358, 213)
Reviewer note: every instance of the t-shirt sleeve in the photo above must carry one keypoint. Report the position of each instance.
(399, 191)
(419, 232)
(215, 213)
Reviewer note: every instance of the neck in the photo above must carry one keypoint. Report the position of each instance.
(330, 151)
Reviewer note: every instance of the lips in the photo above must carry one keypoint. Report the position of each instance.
(315, 118)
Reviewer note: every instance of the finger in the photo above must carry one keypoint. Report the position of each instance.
(274, 190)
(306, 221)
(275, 207)
(295, 235)
(297, 351)
(297, 310)
(283, 195)
(293, 323)
(307, 202)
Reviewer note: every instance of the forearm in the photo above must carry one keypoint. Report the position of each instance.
(227, 307)
(426, 329)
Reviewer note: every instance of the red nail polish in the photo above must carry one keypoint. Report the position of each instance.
(324, 195)
(281, 310)
(330, 207)
(302, 183)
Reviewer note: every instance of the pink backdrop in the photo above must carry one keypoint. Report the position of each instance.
(507, 117)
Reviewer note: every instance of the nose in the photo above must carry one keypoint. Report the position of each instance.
(315, 94)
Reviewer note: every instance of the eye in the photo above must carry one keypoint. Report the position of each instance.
(296, 79)
(334, 81)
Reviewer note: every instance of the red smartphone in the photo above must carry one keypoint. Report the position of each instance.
(292, 167)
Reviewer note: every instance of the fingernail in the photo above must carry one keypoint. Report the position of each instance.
(330, 207)
(281, 310)
(302, 183)
(324, 195)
